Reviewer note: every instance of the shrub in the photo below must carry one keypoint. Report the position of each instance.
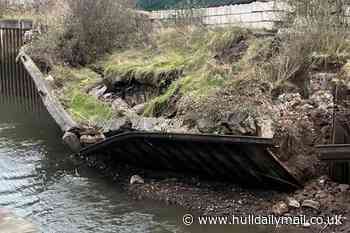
(319, 13)
(318, 30)
(94, 27)
(87, 29)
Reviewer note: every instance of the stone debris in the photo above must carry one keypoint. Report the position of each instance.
(91, 139)
(136, 179)
(311, 204)
(50, 80)
(98, 91)
(72, 140)
(122, 108)
(293, 203)
(280, 208)
(344, 187)
(139, 109)
(148, 124)
(322, 81)
(302, 124)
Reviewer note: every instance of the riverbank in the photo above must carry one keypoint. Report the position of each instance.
(235, 82)
(223, 85)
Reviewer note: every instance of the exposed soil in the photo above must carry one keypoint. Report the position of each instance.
(136, 91)
(298, 115)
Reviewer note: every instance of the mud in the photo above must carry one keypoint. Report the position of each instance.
(201, 196)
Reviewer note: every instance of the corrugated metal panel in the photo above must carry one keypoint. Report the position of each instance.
(245, 160)
(15, 83)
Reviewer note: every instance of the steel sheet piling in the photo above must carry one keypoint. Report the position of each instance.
(15, 84)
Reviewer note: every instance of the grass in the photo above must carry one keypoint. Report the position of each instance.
(157, 104)
(145, 68)
(72, 84)
(186, 56)
(190, 59)
(86, 108)
(70, 78)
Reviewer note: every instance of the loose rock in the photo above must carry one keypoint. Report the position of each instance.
(136, 179)
(139, 109)
(311, 204)
(72, 141)
(280, 208)
(293, 203)
(50, 80)
(343, 187)
(122, 108)
(98, 91)
(89, 140)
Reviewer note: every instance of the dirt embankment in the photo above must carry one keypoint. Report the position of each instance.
(297, 116)
(236, 95)
(232, 83)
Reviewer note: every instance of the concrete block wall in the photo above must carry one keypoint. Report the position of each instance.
(255, 15)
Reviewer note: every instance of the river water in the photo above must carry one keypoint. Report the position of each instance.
(39, 182)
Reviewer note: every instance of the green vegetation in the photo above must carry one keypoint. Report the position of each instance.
(187, 55)
(157, 104)
(144, 67)
(205, 58)
(83, 31)
(86, 108)
(193, 61)
(72, 85)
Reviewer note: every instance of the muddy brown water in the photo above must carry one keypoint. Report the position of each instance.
(39, 182)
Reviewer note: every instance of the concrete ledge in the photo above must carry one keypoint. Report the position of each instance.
(52, 104)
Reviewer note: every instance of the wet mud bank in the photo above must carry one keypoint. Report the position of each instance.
(201, 196)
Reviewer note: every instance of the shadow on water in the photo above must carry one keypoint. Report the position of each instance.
(38, 182)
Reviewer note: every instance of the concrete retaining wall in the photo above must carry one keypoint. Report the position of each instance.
(254, 15)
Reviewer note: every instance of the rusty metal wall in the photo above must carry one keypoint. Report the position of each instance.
(16, 86)
(243, 160)
(337, 153)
